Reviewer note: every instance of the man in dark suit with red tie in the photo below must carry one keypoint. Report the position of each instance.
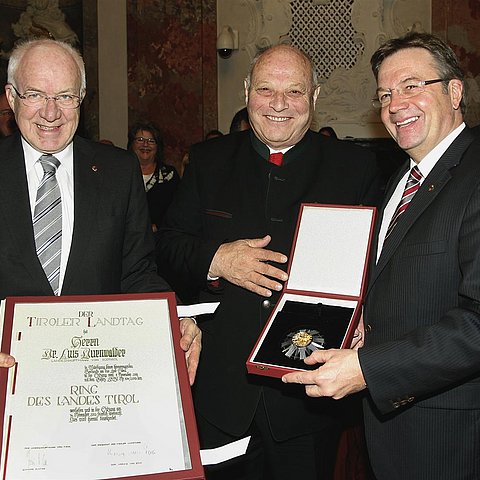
(104, 242)
(226, 238)
(421, 358)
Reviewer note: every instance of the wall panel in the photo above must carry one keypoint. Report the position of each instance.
(172, 69)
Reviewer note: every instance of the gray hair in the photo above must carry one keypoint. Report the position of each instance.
(22, 48)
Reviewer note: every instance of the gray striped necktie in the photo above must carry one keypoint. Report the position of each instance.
(47, 221)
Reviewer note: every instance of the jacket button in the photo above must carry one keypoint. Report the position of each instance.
(368, 328)
(266, 304)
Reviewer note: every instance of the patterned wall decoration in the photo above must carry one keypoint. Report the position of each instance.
(172, 69)
(89, 112)
(328, 27)
(458, 23)
(351, 30)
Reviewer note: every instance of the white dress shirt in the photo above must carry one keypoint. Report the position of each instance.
(425, 166)
(283, 150)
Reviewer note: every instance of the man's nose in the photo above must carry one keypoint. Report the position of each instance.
(279, 101)
(50, 111)
(397, 102)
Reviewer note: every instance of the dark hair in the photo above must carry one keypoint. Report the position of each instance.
(238, 118)
(213, 134)
(444, 57)
(328, 132)
(148, 127)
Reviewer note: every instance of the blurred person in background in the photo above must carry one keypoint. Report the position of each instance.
(8, 126)
(213, 134)
(328, 132)
(240, 121)
(161, 180)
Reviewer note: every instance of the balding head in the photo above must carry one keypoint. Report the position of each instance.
(281, 90)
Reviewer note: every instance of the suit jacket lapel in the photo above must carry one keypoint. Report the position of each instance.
(431, 187)
(15, 206)
(87, 185)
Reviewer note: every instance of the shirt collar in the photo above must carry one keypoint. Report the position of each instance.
(65, 157)
(284, 150)
(429, 161)
(294, 151)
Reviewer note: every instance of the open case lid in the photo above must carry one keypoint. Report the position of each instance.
(330, 250)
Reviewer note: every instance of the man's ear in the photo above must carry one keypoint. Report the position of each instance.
(10, 96)
(245, 87)
(316, 92)
(455, 90)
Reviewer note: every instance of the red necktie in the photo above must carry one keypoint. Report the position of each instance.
(276, 158)
(411, 187)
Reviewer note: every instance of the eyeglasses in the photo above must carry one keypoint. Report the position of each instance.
(38, 99)
(151, 141)
(406, 89)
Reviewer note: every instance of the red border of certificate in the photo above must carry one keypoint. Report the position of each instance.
(196, 472)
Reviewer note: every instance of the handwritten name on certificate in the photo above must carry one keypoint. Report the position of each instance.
(95, 391)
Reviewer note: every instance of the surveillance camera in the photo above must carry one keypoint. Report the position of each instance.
(225, 52)
(227, 42)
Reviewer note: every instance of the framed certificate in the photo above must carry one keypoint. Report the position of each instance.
(99, 391)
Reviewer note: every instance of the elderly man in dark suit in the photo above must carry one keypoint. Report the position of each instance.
(421, 358)
(103, 243)
(226, 238)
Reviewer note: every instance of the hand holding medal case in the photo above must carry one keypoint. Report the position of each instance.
(320, 306)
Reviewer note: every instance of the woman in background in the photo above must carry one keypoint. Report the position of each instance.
(161, 180)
